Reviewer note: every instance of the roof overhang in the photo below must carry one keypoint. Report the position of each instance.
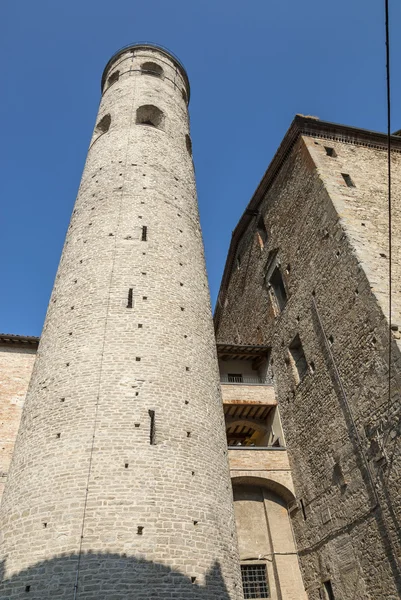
(235, 352)
(19, 340)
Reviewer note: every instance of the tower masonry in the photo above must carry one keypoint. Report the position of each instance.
(119, 483)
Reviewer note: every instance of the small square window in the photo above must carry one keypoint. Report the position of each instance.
(330, 152)
(254, 581)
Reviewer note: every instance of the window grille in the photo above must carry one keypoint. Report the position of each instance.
(254, 581)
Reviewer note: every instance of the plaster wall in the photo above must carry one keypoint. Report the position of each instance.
(16, 365)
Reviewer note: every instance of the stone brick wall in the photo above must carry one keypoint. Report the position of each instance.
(16, 363)
(120, 479)
(341, 429)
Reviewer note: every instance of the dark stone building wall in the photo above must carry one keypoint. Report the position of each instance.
(340, 424)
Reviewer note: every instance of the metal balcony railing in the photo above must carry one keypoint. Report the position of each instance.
(244, 380)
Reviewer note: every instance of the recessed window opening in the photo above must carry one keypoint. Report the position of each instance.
(301, 502)
(113, 78)
(148, 114)
(330, 152)
(254, 581)
(328, 590)
(130, 296)
(27, 588)
(144, 233)
(104, 124)
(298, 358)
(262, 231)
(151, 68)
(277, 285)
(348, 180)
(152, 427)
(188, 144)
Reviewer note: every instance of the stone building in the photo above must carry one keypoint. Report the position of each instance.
(119, 483)
(307, 280)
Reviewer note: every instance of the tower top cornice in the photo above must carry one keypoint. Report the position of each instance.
(146, 46)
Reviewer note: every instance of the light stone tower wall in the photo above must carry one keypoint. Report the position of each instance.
(119, 484)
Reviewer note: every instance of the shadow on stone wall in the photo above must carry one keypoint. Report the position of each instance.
(111, 577)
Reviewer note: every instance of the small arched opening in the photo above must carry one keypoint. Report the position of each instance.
(113, 78)
(151, 68)
(103, 125)
(149, 114)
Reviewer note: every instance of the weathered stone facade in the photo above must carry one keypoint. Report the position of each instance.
(307, 275)
(119, 485)
(17, 355)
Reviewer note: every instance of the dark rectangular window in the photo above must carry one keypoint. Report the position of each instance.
(277, 284)
(152, 427)
(348, 180)
(129, 301)
(235, 377)
(254, 581)
(144, 233)
(330, 151)
(328, 590)
(298, 357)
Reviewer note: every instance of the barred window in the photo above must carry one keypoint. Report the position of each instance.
(254, 581)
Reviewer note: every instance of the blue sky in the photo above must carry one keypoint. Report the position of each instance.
(252, 65)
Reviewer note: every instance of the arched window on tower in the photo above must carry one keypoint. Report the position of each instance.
(103, 125)
(151, 68)
(148, 114)
(113, 78)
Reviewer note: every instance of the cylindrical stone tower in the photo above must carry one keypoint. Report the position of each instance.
(119, 484)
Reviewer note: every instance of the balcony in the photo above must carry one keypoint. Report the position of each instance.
(245, 374)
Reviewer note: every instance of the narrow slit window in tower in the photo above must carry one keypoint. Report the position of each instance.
(188, 144)
(152, 427)
(130, 300)
(144, 233)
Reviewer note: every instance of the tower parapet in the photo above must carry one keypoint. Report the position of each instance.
(119, 480)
